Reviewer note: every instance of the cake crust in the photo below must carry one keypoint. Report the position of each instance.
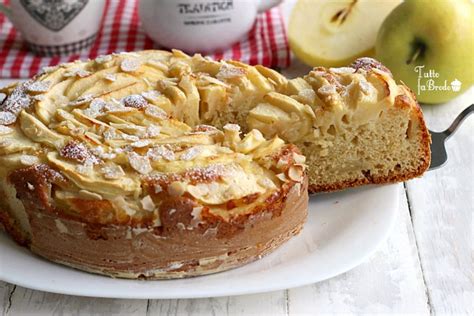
(172, 250)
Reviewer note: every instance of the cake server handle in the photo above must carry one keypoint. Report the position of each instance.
(458, 120)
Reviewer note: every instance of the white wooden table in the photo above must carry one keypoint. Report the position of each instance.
(425, 266)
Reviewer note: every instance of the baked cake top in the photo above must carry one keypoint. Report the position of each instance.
(103, 130)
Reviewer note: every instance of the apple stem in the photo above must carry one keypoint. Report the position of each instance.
(418, 49)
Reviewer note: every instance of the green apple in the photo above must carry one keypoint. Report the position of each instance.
(333, 33)
(429, 45)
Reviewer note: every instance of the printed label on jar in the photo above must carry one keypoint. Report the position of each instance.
(206, 12)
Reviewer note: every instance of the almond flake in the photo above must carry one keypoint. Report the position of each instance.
(130, 64)
(96, 108)
(281, 163)
(81, 100)
(308, 95)
(156, 112)
(153, 131)
(190, 153)
(48, 69)
(140, 143)
(140, 163)
(29, 160)
(299, 159)
(327, 89)
(111, 134)
(296, 172)
(103, 59)
(232, 127)
(282, 177)
(30, 186)
(215, 81)
(161, 151)
(196, 214)
(112, 171)
(132, 138)
(228, 72)
(158, 188)
(342, 70)
(110, 77)
(85, 169)
(77, 72)
(151, 95)
(147, 204)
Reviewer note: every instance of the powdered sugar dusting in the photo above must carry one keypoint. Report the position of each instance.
(208, 173)
(39, 86)
(96, 108)
(79, 152)
(17, 100)
(5, 130)
(7, 118)
(135, 101)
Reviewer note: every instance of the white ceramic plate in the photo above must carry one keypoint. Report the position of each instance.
(343, 229)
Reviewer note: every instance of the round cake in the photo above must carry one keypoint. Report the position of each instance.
(106, 166)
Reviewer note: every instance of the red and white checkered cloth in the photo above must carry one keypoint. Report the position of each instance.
(265, 44)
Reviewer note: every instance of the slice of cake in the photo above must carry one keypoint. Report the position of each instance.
(355, 125)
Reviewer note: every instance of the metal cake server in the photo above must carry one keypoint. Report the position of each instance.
(439, 155)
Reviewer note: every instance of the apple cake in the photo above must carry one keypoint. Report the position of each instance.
(96, 175)
(133, 164)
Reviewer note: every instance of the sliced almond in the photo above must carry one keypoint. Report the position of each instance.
(296, 173)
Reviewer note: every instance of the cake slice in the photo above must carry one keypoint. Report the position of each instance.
(355, 125)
